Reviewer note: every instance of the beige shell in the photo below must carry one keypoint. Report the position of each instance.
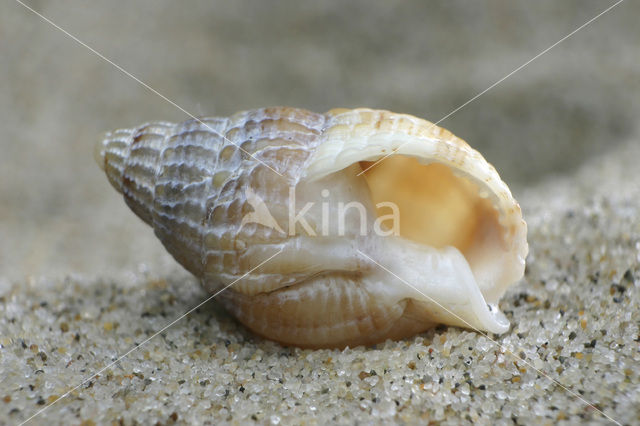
(224, 194)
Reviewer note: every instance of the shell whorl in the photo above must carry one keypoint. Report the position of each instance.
(188, 180)
(193, 183)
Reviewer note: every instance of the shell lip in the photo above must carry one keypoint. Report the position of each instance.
(373, 134)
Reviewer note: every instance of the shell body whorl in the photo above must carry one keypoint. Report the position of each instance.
(461, 237)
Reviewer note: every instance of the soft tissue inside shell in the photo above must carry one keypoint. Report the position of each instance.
(437, 208)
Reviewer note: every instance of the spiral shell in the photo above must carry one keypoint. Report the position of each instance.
(289, 206)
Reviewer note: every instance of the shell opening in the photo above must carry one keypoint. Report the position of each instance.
(440, 209)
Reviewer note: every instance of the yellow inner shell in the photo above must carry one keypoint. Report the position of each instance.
(436, 207)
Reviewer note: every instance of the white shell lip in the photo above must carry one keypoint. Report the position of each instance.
(346, 142)
(500, 319)
(439, 280)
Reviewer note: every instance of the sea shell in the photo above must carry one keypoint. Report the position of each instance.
(320, 254)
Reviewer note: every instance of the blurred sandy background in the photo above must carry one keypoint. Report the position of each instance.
(57, 211)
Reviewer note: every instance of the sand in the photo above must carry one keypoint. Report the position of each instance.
(574, 339)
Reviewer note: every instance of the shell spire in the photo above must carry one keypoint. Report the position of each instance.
(328, 248)
(129, 157)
